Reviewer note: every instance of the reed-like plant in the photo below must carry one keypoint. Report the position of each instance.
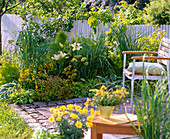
(153, 111)
(30, 49)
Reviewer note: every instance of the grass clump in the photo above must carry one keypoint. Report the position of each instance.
(12, 126)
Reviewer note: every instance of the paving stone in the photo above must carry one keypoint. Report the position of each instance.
(35, 115)
(41, 118)
(26, 116)
(77, 100)
(52, 104)
(21, 113)
(84, 99)
(69, 101)
(31, 120)
(34, 125)
(60, 103)
(14, 106)
(31, 110)
(43, 121)
(34, 106)
(40, 104)
(45, 111)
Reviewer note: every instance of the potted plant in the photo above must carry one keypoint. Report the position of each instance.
(108, 100)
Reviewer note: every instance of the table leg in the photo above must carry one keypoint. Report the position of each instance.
(94, 134)
(99, 136)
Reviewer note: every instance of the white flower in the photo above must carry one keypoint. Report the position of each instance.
(60, 55)
(76, 46)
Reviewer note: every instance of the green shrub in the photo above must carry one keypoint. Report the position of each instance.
(12, 126)
(157, 12)
(22, 96)
(54, 88)
(8, 72)
(82, 87)
(7, 89)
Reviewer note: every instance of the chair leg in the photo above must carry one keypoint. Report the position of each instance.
(132, 91)
(123, 80)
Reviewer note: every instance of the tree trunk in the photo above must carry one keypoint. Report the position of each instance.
(0, 37)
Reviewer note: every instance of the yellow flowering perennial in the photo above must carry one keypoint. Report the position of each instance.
(78, 124)
(51, 119)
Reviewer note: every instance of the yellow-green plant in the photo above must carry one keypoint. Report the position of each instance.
(11, 125)
(152, 110)
(151, 43)
(72, 120)
(108, 98)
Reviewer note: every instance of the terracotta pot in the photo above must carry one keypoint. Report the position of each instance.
(106, 111)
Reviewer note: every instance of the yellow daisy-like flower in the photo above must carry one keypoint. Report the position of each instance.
(86, 63)
(85, 110)
(92, 104)
(60, 114)
(92, 111)
(54, 115)
(89, 124)
(52, 110)
(74, 60)
(83, 59)
(81, 111)
(51, 119)
(78, 108)
(97, 113)
(70, 107)
(63, 108)
(58, 118)
(78, 124)
(74, 116)
(90, 118)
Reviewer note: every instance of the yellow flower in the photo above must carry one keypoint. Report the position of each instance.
(51, 119)
(70, 107)
(54, 115)
(58, 118)
(19, 85)
(63, 108)
(86, 63)
(78, 56)
(78, 108)
(36, 87)
(92, 111)
(81, 111)
(52, 110)
(89, 124)
(78, 124)
(90, 118)
(74, 60)
(74, 116)
(60, 114)
(92, 104)
(85, 110)
(97, 113)
(83, 59)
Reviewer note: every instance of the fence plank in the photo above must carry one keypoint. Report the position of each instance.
(11, 25)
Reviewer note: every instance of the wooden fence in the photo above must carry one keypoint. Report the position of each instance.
(12, 24)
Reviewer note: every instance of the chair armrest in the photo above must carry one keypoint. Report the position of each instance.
(139, 52)
(149, 57)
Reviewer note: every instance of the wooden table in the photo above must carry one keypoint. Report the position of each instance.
(100, 127)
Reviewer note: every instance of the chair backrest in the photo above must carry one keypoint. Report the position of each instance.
(164, 50)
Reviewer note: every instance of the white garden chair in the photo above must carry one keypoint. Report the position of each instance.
(163, 58)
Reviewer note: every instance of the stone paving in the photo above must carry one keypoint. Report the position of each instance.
(37, 114)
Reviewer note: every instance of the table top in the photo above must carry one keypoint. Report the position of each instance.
(100, 121)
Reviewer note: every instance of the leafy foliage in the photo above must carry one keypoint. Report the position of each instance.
(21, 96)
(153, 111)
(49, 17)
(157, 12)
(54, 88)
(12, 126)
(7, 89)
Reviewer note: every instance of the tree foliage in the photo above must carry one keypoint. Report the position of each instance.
(47, 17)
(158, 12)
